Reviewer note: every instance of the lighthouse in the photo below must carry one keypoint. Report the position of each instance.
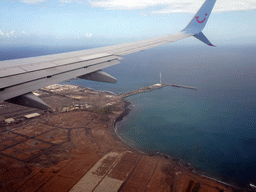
(160, 78)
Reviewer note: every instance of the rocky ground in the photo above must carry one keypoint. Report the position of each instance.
(74, 148)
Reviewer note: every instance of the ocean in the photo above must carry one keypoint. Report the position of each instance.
(213, 128)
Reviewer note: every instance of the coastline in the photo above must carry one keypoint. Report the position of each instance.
(113, 129)
(178, 161)
(84, 129)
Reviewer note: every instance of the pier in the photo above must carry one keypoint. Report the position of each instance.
(153, 87)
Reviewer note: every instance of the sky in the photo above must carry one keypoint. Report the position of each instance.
(95, 22)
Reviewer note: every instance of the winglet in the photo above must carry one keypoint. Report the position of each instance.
(204, 39)
(197, 24)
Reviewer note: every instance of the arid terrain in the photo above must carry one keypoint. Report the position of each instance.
(74, 148)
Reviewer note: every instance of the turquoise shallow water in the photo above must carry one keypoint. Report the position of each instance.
(212, 128)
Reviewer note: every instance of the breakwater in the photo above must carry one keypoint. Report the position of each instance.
(153, 87)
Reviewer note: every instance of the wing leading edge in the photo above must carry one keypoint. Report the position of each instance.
(19, 77)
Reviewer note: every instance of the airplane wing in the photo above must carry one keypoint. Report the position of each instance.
(19, 77)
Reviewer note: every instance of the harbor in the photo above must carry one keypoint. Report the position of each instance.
(154, 87)
(74, 148)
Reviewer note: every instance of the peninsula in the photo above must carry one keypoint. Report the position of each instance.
(74, 148)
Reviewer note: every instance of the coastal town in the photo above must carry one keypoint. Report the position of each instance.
(73, 147)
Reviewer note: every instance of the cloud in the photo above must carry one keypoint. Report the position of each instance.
(65, 1)
(24, 33)
(13, 34)
(234, 5)
(172, 6)
(88, 35)
(10, 34)
(32, 1)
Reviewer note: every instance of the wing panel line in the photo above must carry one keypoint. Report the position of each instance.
(39, 83)
(26, 77)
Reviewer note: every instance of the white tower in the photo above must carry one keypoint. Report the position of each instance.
(160, 78)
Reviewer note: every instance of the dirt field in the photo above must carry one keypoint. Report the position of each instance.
(74, 148)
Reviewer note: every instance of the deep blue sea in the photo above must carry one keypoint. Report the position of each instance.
(213, 128)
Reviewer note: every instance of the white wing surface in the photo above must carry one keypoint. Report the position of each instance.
(19, 77)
